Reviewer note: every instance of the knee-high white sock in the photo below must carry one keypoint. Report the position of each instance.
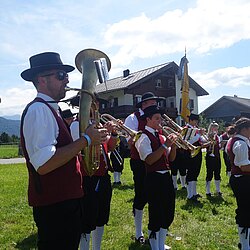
(153, 240)
(208, 184)
(162, 238)
(194, 185)
(97, 238)
(174, 179)
(244, 237)
(84, 242)
(183, 180)
(115, 176)
(217, 185)
(189, 190)
(138, 223)
(119, 176)
(229, 173)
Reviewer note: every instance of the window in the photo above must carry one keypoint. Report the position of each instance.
(114, 102)
(170, 83)
(137, 99)
(191, 104)
(162, 103)
(172, 102)
(158, 83)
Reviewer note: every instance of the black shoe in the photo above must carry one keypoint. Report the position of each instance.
(219, 194)
(209, 195)
(198, 196)
(140, 240)
(194, 199)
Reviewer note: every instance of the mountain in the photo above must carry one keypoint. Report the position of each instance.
(12, 117)
(11, 127)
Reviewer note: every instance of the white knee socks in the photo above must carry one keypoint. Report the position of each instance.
(84, 242)
(244, 237)
(97, 238)
(138, 223)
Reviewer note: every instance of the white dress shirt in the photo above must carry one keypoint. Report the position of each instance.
(240, 150)
(132, 122)
(143, 144)
(40, 131)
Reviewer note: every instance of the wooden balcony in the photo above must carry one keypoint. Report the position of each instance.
(125, 110)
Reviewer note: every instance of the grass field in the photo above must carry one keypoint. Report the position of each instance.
(8, 151)
(209, 225)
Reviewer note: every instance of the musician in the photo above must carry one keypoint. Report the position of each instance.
(135, 122)
(55, 180)
(230, 131)
(213, 161)
(156, 152)
(117, 159)
(68, 116)
(193, 164)
(239, 153)
(97, 188)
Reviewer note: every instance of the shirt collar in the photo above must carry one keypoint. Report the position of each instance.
(50, 101)
(151, 130)
(141, 112)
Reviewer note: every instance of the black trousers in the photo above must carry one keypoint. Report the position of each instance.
(193, 167)
(139, 175)
(179, 164)
(59, 225)
(96, 202)
(213, 166)
(161, 200)
(227, 161)
(241, 189)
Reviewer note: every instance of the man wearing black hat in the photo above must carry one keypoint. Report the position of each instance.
(55, 180)
(68, 116)
(156, 152)
(193, 164)
(135, 122)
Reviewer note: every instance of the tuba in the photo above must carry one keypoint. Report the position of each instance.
(94, 65)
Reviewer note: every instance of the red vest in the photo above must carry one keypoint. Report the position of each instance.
(141, 125)
(162, 163)
(235, 169)
(61, 184)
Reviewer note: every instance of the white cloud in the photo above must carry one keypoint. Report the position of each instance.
(210, 25)
(230, 77)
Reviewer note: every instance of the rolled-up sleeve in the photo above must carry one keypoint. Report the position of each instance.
(240, 150)
(40, 131)
(143, 145)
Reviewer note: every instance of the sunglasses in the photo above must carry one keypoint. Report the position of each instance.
(60, 75)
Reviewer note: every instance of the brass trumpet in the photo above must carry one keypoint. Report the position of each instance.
(180, 143)
(121, 127)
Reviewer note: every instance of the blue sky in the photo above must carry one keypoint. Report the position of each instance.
(135, 34)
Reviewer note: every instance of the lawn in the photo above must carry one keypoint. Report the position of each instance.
(9, 151)
(209, 225)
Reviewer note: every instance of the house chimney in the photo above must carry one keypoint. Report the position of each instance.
(235, 96)
(126, 73)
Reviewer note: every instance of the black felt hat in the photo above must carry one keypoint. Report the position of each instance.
(151, 110)
(43, 62)
(193, 117)
(146, 97)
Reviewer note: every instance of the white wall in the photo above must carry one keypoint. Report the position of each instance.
(126, 99)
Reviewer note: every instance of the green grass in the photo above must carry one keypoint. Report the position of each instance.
(8, 151)
(209, 225)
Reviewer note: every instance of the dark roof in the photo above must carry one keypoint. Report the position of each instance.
(142, 75)
(238, 100)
